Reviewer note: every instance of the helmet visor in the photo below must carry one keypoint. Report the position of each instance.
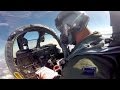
(69, 22)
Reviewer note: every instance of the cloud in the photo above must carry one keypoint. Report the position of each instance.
(105, 31)
(49, 11)
(18, 14)
(107, 12)
(2, 57)
(40, 14)
(8, 76)
(4, 24)
(4, 71)
(4, 13)
(102, 30)
(13, 17)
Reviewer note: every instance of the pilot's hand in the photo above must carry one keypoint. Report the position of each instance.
(46, 73)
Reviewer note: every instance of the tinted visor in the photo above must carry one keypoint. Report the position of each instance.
(69, 22)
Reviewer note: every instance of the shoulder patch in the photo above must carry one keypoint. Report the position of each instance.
(86, 66)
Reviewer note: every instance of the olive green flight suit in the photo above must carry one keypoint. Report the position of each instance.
(89, 66)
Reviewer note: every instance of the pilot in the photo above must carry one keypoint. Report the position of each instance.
(84, 61)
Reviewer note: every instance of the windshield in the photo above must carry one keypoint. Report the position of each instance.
(10, 20)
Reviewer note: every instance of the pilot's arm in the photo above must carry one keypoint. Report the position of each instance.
(88, 67)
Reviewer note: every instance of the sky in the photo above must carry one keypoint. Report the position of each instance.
(10, 20)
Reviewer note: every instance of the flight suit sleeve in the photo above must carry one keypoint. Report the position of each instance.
(88, 68)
